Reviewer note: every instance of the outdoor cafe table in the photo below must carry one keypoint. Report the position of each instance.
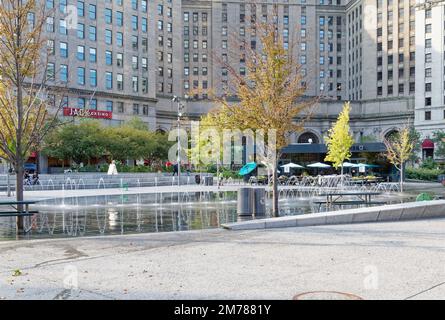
(363, 196)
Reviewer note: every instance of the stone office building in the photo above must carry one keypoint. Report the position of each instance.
(131, 57)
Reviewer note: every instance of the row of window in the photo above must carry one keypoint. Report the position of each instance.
(195, 16)
(50, 4)
(92, 34)
(92, 55)
(93, 78)
(196, 44)
(401, 89)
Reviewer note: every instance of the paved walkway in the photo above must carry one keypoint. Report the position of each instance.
(397, 260)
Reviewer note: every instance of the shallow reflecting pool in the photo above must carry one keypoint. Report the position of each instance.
(144, 213)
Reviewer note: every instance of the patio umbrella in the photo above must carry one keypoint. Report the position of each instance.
(349, 165)
(247, 168)
(291, 165)
(318, 165)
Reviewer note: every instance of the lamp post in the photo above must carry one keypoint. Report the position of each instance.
(179, 113)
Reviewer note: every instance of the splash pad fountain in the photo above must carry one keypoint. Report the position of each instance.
(133, 207)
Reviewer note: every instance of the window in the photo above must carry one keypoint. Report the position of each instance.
(108, 37)
(390, 89)
(428, 101)
(108, 80)
(109, 105)
(119, 18)
(134, 62)
(81, 53)
(427, 115)
(134, 23)
(427, 72)
(120, 60)
(120, 81)
(120, 107)
(92, 11)
(134, 42)
(135, 83)
(144, 85)
(390, 59)
(80, 8)
(62, 27)
(92, 34)
(428, 57)
(135, 108)
(93, 55)
(144, 25)
(120, 39)
(108, 58)
(428, 28)
(63, 73)
(62, 6)
(144, 63)
(80, 30)
(64, 49)
(50, 24)
(144, 5)
(81, 103)
(81, 76)
(93, 78)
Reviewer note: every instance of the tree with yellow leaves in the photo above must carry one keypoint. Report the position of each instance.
(24, 119)
(269, 96)
(399, 147)
(340, 140)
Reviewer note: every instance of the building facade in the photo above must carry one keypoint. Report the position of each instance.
(430, 67)
(131, 57)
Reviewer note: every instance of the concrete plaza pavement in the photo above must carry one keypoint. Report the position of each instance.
(393, 260)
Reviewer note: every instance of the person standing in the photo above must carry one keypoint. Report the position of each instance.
(112, 168)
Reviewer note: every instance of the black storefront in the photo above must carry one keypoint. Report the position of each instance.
(370, 152)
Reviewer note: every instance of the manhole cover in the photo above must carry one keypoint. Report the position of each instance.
(326, 295)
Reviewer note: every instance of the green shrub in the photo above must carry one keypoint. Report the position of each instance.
(429, 163)
(423, 174)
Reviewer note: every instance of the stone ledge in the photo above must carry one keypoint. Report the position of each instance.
(394, 212)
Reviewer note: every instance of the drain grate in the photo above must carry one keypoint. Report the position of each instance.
(326, 295)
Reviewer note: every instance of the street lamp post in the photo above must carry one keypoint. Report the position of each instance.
(179, 113)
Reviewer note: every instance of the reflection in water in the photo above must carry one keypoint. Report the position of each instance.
(141, 213)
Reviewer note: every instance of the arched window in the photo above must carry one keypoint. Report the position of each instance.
(390, 134)
(308, 137)
(160, 130)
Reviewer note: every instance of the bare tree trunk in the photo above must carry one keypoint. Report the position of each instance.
(275, 209)
(401, 177)
(341, 176)
(19, 152)
(19, 193)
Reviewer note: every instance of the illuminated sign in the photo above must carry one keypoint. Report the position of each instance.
(87, 113)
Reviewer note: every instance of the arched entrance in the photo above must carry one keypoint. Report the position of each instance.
(427, 149)
(308, 137)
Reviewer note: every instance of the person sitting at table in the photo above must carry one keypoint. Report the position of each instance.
(26, 178)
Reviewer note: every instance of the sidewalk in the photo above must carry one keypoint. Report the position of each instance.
(397, 260)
